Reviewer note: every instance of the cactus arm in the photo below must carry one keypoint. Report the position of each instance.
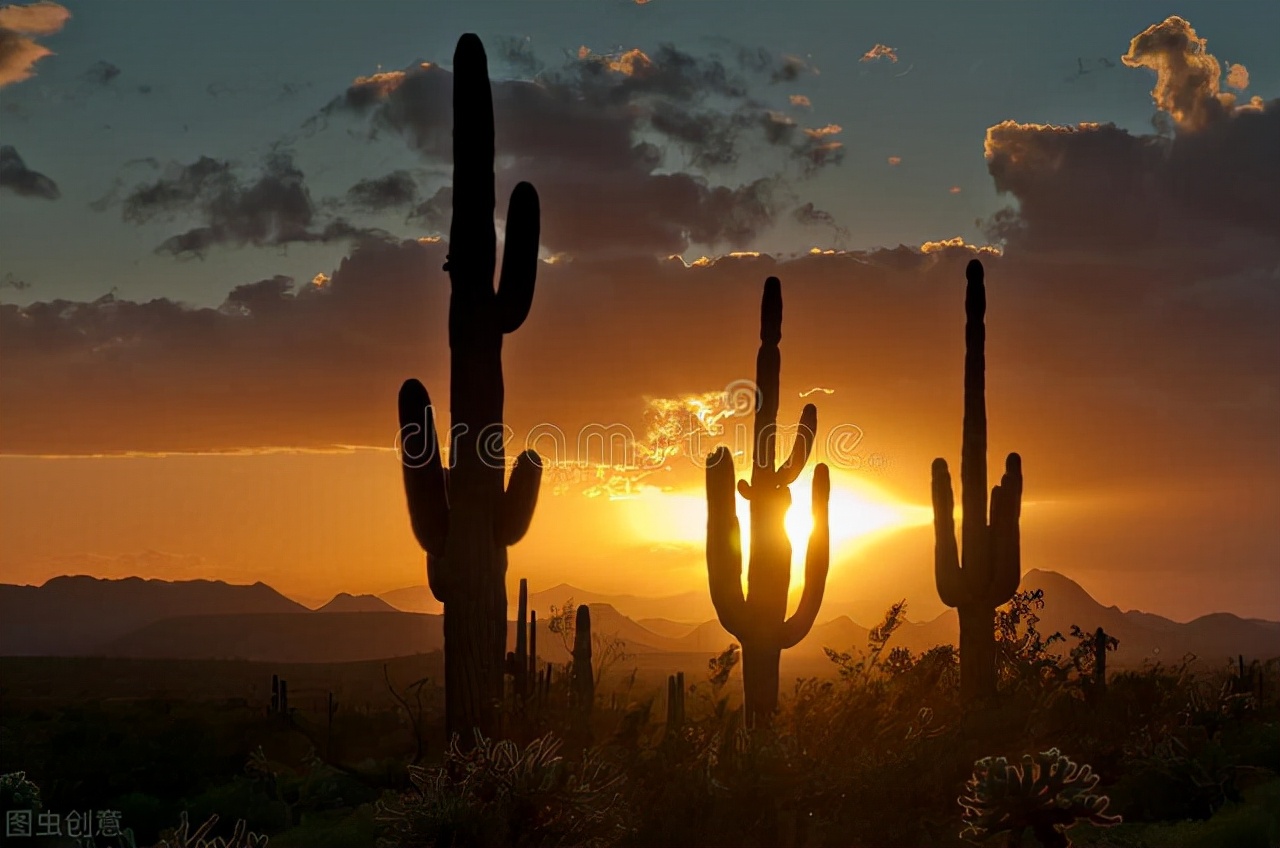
(816, 562)
(472, 241)
(724, 545)
(424, 480)
(520, 498)
(802, 446)
(438, 574)
(946, 555)
(519, 258)
(1006, 548)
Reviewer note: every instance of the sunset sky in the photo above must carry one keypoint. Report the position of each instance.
(220, 255)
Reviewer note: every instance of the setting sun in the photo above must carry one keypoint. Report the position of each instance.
(860, 512)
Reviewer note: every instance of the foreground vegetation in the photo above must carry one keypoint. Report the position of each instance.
(878, 753)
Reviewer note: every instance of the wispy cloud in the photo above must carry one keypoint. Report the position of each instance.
(16, 177)
(880, 51)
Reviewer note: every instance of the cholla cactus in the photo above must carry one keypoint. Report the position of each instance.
(496, 793)
(1047, 793)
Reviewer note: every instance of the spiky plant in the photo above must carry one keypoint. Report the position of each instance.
(759, 619)
(463, 517)
(497, 793)
(1046, 794)
(991, 568)
(182, 837)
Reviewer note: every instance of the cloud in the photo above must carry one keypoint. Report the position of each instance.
(1238, 77)
(1204, 192)
(800, 100)
(809, 215)
(16, 177)
(519, 55)
(15, 283)
(436, 211)
(622, 147)
(1187, 76)
(880, 51)
(102, 73)
(391, 191)
(293, 364)
(895, 160)
(18, 50)
(274, 209)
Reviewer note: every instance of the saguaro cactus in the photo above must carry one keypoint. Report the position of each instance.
(463, 517)
(675, 701)
(519, 659)
(759, 620)
(584, 682)
(1100, 640)
(991, 568)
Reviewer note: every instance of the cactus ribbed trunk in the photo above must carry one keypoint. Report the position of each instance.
(760, 680)
(991, 567)
(759, 619)
(463, 517)
(977, 650)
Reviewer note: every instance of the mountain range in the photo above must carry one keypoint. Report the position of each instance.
(202, 619)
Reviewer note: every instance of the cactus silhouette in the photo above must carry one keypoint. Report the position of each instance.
(990, 570)
(675, 701)
(759, 619)
(462, 516)
(1100, 640)
(583, 682)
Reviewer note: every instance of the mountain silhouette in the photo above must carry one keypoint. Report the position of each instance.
(346, 602)
(203, 619)
(74, 615)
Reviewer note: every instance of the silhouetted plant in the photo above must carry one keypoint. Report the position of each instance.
(675, 701)
(584, 681)
(463, 517)
(1046, 794)
(607, 649)
(758, 620)
(415, 711)
(497, 793)
(990, 570)
(18, 793)
(520, 665)
(1022, 652)
(1089, 658)
(182, 837)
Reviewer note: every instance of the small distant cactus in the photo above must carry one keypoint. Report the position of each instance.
(1100, 642)
(584, 683)
(522, 662)
(1047, 794)
(675, 701)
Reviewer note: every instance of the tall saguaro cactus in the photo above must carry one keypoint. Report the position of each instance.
(463, 517)
(759, 619)
(989, 572)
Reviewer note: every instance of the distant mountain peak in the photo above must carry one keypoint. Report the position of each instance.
(347, 602)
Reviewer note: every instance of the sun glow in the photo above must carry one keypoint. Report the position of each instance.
(860, 513)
